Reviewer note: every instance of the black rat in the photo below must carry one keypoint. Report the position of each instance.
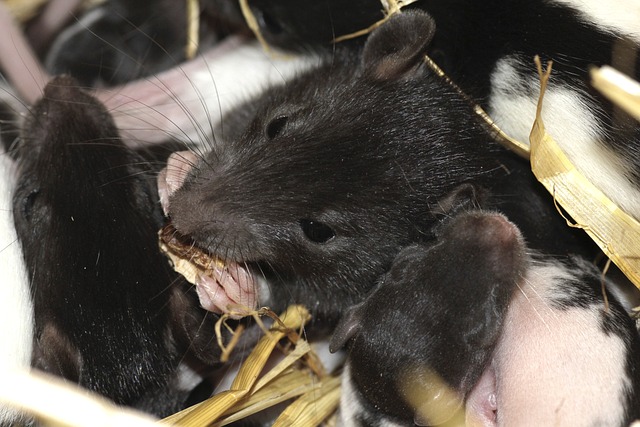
(339, 169)
(110, 313)
(488, 47)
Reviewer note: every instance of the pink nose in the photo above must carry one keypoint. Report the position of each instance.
(172, 177)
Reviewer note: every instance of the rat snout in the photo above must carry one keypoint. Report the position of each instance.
(173, 175)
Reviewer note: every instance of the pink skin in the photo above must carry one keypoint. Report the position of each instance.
(550, 367)
(18, 61)
(54, 16)
(482, 403)
(172, 176)
(187, 101)
(228, 288)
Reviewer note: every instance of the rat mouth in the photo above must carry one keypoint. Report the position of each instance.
(482, 401)
(223, 286)
(229, 290)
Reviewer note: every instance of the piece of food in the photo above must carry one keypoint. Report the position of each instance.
(222, 286)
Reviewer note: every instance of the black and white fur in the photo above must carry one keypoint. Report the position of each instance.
(313, 193)
(552, 233)
(488, 49)
(473, 329)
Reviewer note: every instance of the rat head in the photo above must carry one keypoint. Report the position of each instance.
(417, 362)
(335, 171)
(74, 170)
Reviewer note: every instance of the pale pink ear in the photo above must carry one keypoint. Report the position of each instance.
(464, 196)
(395, 50)
(349, 326)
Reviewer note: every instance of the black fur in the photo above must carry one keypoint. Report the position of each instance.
(442, 307)
(119, 41)
(365, 149)
(471, 37)
(110, 314)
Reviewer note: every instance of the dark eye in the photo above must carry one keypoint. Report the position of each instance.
(275, 126)
(317, 232)
(268, 24)
(28, 202)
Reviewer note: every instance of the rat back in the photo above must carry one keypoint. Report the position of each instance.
(86, 217)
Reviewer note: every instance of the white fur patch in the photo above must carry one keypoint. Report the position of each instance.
(615, 16)
(16, 311)
(570, 122)
(557, 367)
(350, 405)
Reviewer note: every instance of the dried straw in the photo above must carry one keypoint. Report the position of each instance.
(193, 28)
(622, 90)
(61, 403)
(613, 230)
(251, 393)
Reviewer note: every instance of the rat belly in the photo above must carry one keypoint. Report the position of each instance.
(553, 365)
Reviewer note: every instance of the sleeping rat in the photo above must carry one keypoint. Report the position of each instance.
(110, 314)
(473, 327)
(339, 169)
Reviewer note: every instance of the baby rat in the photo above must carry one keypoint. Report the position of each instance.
(474, 330)
(339, 169)
(109, 314)
(421, 340)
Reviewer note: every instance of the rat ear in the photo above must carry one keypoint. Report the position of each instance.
(463, 197)
(53, 352)
(396, 48)
(349, 326)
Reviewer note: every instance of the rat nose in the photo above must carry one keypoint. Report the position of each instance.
(173, 175)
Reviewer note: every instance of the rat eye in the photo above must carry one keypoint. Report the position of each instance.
(275, 126)
(267, 23)
(317, 232)
(28, 202)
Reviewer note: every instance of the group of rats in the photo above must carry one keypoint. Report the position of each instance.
(357, 182)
